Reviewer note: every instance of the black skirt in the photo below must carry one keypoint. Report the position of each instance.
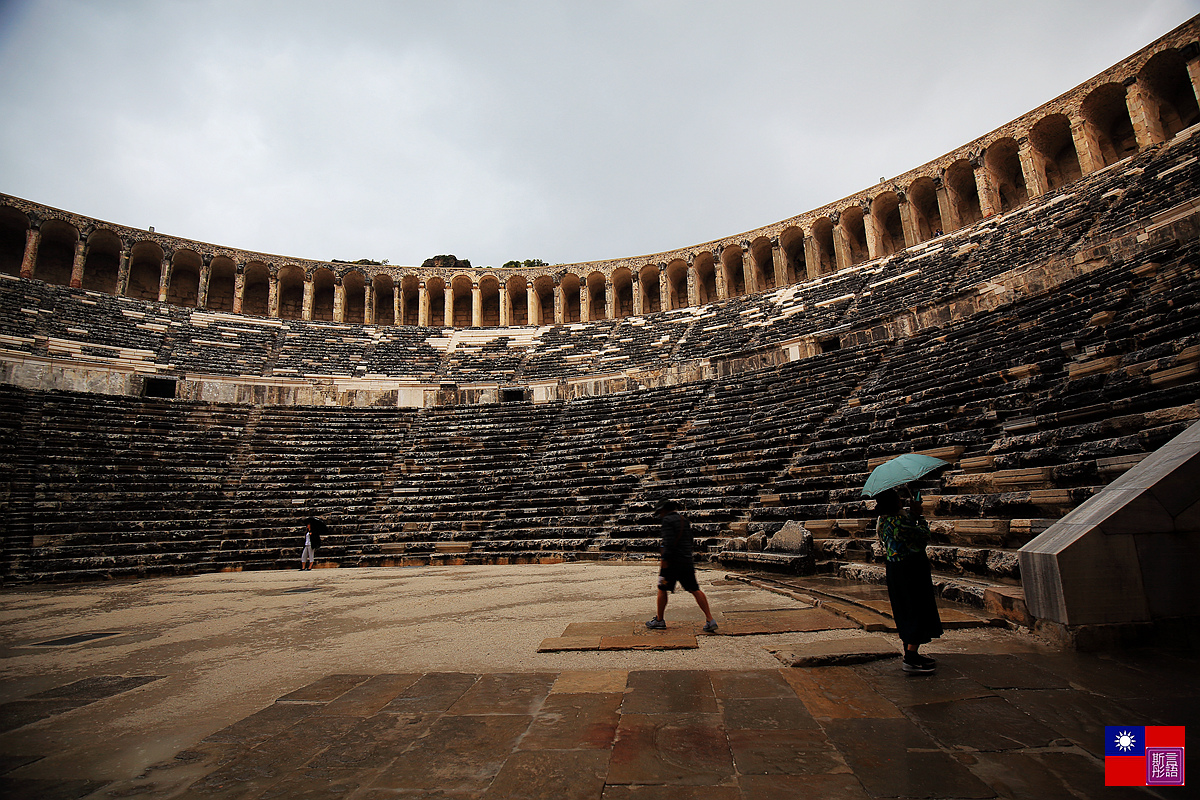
(910, 588)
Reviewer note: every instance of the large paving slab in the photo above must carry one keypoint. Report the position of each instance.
(428, 683)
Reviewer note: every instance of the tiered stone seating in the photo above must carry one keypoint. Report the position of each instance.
(588, 465)
(741, 435)
(460, 465)
(562, 351)
(404, 351)
(481, 356)
(123, 487)
(812, 307)
(726, 328)
(643, 342)
(333, 463)
(217, 343)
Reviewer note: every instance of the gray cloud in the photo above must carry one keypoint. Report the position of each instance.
(499, 130)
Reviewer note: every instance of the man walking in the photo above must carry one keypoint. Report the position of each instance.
(677, 565)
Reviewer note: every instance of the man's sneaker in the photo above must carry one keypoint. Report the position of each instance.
(919, 665)
(710, 626)
(656, 623)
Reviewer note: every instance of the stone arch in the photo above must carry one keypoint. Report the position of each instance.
(1165, 77)
(543, 294)
(291, 292)
(963, 192)
(222, 282)
(256, 289)
(1002, 161)
(410, 300)
(732, 268)
(489, 301)
(14, 228)
(923, 205)
(705, 267)
(462, 303)
(322, 303)
(1054, 150)
(56, 253)
(383, 296)
(102, 265)
(677, 293)
(569, 286)
(145, 271)
(889, 229)
(791, 242)
(648, 286)
(622, 286)
(854, 233)
(597, 286)
(435, 287)
(183, 288)
(354, 297)
(826, 250)
(762, 260)
(1106, 121)
(518, 300)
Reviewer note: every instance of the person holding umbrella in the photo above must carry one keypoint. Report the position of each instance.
(903, 534)
(313, 528)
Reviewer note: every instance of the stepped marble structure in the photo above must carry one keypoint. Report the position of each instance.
(1026, 308)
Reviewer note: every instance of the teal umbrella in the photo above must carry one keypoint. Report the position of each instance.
(899, 471)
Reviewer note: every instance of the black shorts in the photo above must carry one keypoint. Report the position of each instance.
(683, 574)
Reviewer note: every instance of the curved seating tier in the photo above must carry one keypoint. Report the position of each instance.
(1038, 397)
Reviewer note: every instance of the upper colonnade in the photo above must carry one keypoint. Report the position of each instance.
(1143, 101)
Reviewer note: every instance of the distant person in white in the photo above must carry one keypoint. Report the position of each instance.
(312, 540)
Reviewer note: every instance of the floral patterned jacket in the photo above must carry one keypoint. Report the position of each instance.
(901, 536)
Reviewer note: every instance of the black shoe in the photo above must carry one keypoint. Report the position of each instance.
(918, 665)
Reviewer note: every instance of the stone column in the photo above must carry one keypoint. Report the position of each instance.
(664, 291)
(1086, 147)
(306, 309)
(273, 295)
(533, 306)
(164, 278)
(749, 269)
(33, 237)
(448, 306)
(812, 255)
(339, 300)
(779, 263)
(1143, 113)
(476, 305)
(721, 279)
(505, 308)
(77, 264)
(946, 209)
(423, 318)
(871, 228)
(989, 204)
(369, 302)
(1032, 169)
(610, 300)
(239, 287)
(908, 221)
(841, 247)
(123, 271)
(205, 279)
(693, 284)
(397, 304)
(585, 302)
(560, 304)
(635, 288)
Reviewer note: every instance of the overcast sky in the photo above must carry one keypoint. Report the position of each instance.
(566, 131)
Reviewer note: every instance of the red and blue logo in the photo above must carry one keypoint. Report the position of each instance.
(1143, 755)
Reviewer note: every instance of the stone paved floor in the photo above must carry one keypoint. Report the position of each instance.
(1003, 717)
